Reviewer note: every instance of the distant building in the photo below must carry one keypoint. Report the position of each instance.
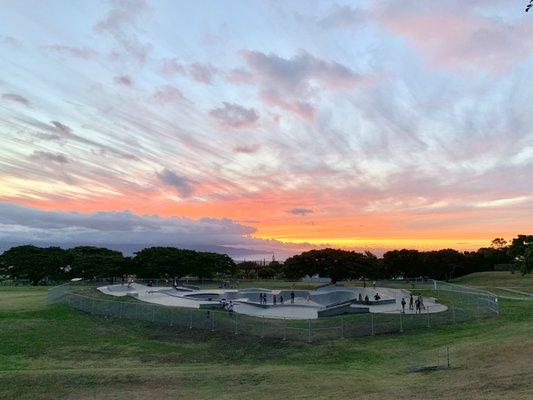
(505, 267)
(316, 279)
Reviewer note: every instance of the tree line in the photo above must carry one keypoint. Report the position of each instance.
(57, 264)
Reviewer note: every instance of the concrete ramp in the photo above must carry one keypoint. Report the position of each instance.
(344, 308)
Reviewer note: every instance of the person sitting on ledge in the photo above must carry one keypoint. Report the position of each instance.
(280, 299)
(230, 306)
(360, 298)
(377, 297)
(367, 301)
(274, 300)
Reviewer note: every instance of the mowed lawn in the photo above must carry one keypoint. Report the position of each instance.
(59, 353)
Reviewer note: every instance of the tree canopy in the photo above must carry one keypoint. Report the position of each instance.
(335, 263)
(37, 263)
(87, 262)
(34, 263)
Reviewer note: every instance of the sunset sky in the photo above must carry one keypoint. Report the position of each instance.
(272, 126)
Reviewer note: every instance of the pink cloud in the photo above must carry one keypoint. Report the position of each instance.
(453, 34)
(16, 98)
(171, 66)
(203, 73)
(168, 94)
(232, 115)
(123, 80)
(291, 83)
(122, 23)
(84, 53)
(247, 149)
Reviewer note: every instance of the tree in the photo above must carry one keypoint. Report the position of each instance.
(443, 264)
(406, 263)
(498, 243)
(337, 264)
(208, 265)
(518, 245)
(526, 263)
(35, 263)
(248, 269)
(155, 262)
(269, 270)
(95, 262)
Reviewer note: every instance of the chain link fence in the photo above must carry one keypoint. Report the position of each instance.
(463, 304)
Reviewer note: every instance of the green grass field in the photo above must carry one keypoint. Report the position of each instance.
(499, 282)
(59, 353)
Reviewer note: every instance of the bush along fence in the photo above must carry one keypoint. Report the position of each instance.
(463, 304)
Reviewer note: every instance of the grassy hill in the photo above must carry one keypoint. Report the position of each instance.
(51, 353)
(502, 283)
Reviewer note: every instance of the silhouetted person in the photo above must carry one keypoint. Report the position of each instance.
(374, 285)
(377, 297)
(274, 300)
(367, 301)
(360, 298)
(292, 297)
(403, 305)
(281, 299)
(417, 304)
(411, 302)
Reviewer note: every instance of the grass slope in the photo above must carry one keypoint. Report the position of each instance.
(51, 353)
(497, 281)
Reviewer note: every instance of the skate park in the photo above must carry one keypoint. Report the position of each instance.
(321, 302)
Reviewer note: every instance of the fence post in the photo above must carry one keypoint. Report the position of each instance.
(427, 313)
(153, 314)
(342, 327)
(309, 330)
(448, 355)
(190, 318)
(263, 326)
(401, 323)
(453, 313)
(236, 325)
(212, 322)
(171, 317)
(372, 319)
(284, 328)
